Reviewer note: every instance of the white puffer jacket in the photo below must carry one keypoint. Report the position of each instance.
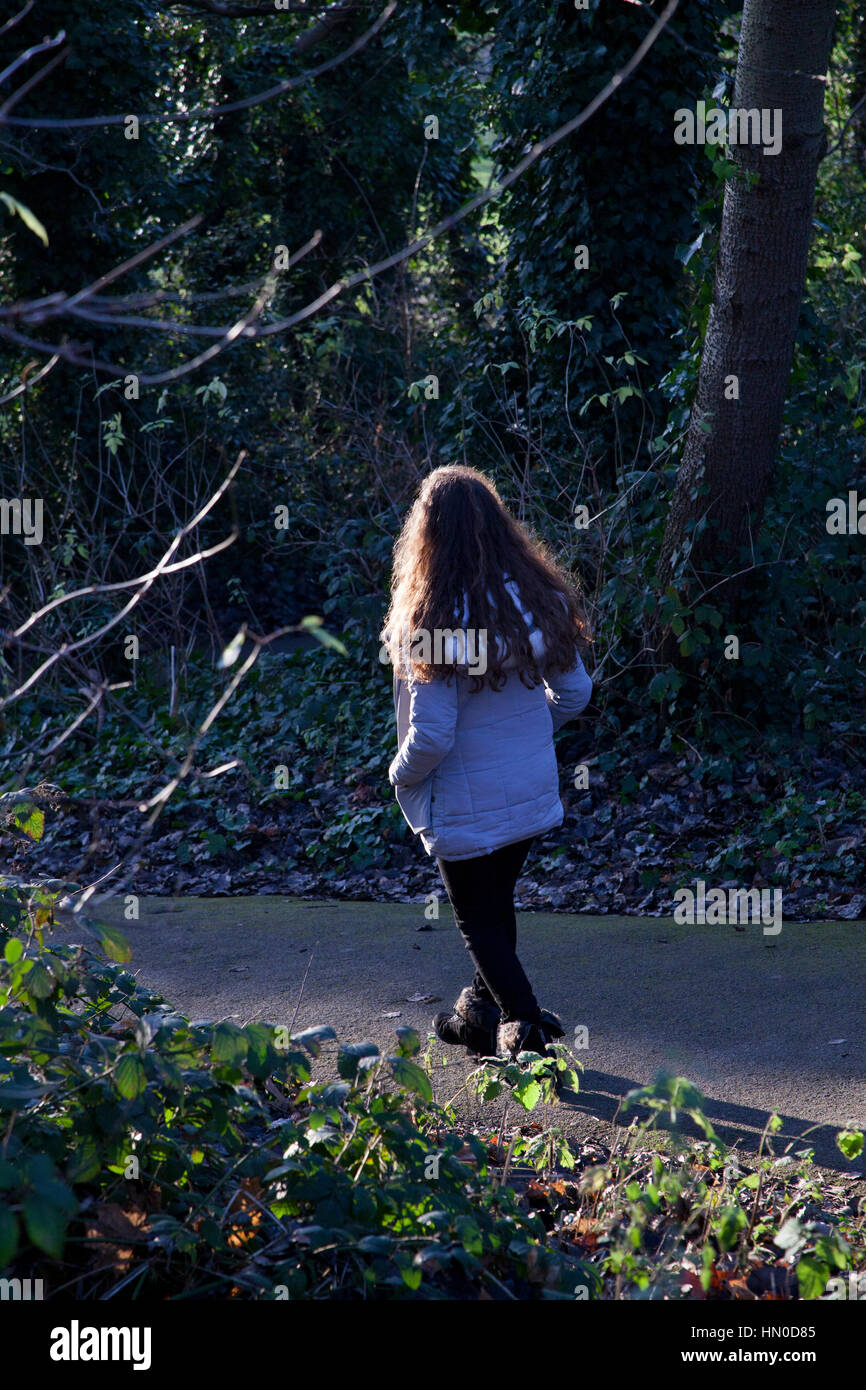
(476, 770)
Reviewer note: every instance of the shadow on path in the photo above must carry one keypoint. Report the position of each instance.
(757, 1023)
(601, 1097)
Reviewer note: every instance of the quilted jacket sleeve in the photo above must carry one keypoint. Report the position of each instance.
(568, 694)
(431, 734)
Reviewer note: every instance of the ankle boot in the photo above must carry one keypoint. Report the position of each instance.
(471, 1023)
(519, 1035)
(552, 1023)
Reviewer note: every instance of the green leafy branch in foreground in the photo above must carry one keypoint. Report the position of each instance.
(699, 1223)
(148, 1155)
(141, 1150)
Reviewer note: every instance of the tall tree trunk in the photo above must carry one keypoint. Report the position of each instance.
(730, 450)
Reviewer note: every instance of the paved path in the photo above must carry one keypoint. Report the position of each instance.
(756, 1022)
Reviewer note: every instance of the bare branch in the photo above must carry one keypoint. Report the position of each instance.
(29, 53)
(114, 320)
(142, 585)
(95, 700)
(210, 113)
(157, 803)
(17, 18)
(136, 260)
(31, 82)
(75, 354)
(28, 382)
(319, 31)
(540, 148)
(162, 568)
(244, 328)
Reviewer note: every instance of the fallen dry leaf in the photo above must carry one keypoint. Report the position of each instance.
(110, 1226)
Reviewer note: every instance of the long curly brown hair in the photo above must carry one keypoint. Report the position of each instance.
(457, 551)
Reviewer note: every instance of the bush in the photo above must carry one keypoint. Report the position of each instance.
(165, 1157)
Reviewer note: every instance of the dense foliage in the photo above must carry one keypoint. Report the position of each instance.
(572, 387)
(158, 1157)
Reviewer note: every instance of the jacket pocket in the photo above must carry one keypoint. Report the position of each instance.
(414, 802)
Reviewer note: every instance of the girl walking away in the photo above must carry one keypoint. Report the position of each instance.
(482, 633)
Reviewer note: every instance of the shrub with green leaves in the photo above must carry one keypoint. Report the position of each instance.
(173, 1158)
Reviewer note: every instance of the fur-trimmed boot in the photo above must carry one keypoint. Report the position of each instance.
(518, 1035)
(471, 1023)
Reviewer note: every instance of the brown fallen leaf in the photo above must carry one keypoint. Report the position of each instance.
(738, 1288)
(110, 1226)
(586, 1231)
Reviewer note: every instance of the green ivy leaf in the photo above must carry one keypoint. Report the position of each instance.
(84, 1165)
(408, 1073)
(16, 1095)
(45, 1224)
(112, 941)
(812, 1276)
(411, 1273)
(850, 1142)
(410, 1043)
(528, 1093)
(351, 1056)
(30, 821)
(658, 686)
(229, 1044)
(40, 982)
(130, 1077)
(312, 1038)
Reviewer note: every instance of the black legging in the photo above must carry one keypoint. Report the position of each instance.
(481, 893)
